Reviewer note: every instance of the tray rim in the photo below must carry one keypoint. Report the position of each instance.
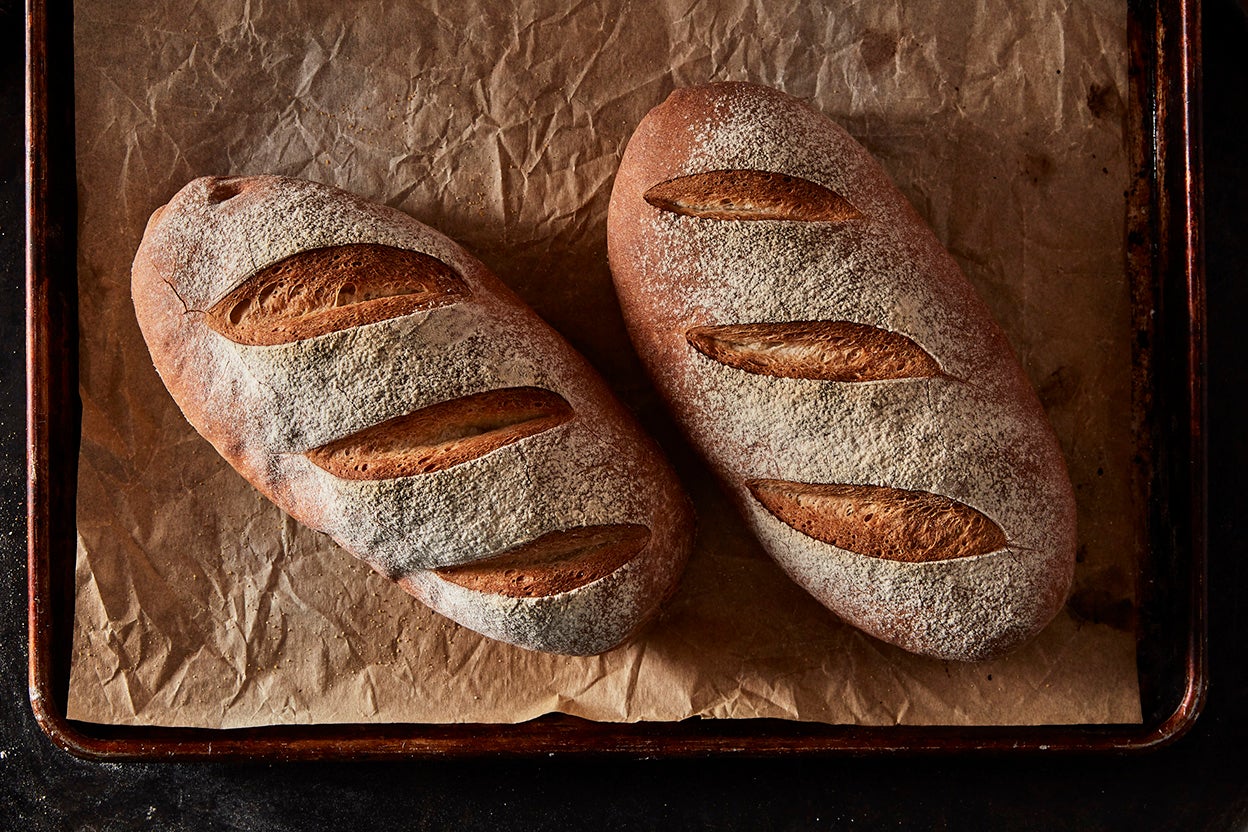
(1172, 28)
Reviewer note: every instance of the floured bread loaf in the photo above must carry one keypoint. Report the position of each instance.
(838, 371)
(379, 384)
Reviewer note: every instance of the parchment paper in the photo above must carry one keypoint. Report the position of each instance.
(201, 604)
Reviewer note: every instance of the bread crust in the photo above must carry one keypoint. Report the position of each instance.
(266, 406)
(973, 431)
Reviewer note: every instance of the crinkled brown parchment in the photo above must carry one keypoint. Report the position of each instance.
(201, 604)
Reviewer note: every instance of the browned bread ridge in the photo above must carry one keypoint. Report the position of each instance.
(554, 563)
(749, 195)
(377, 383)
(327, 289)
(829, 350)
(442, 435)
(829, 359)
(880, 522)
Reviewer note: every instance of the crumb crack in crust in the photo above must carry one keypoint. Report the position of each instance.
(554, 563)
(328, 289)
(826, 350)
(881, 522)
(750, 195)
(443, 435)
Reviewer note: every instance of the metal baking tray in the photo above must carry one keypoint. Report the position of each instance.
(1165, 264)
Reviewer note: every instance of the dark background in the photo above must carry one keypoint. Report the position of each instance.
(1200, 782)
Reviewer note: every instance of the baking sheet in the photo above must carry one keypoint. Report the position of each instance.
(200, 604)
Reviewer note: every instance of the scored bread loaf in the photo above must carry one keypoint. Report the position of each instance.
(839, 373)
(379, 384)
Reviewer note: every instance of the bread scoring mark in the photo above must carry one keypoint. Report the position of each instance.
(323, 290)
(881, 522)
(553, 563)
(750, 195)
(221, 189)
(825, 350)
(443, 435)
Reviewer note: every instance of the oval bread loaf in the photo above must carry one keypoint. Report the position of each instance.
(381, 385)
(839, 373)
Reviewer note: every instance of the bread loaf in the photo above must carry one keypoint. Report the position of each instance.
(377, 383)
(839, 373)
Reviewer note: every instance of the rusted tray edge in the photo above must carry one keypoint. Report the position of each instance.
(1176, 255)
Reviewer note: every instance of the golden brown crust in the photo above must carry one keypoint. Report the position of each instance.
(750, 195)
(826, 350)
(328, 289)
(443, 435)
(881, 522)
(554, 563)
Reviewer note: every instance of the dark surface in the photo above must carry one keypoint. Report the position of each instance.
(1199, 783)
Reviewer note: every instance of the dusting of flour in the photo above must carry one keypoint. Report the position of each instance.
(263, 407)
(976, 433)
